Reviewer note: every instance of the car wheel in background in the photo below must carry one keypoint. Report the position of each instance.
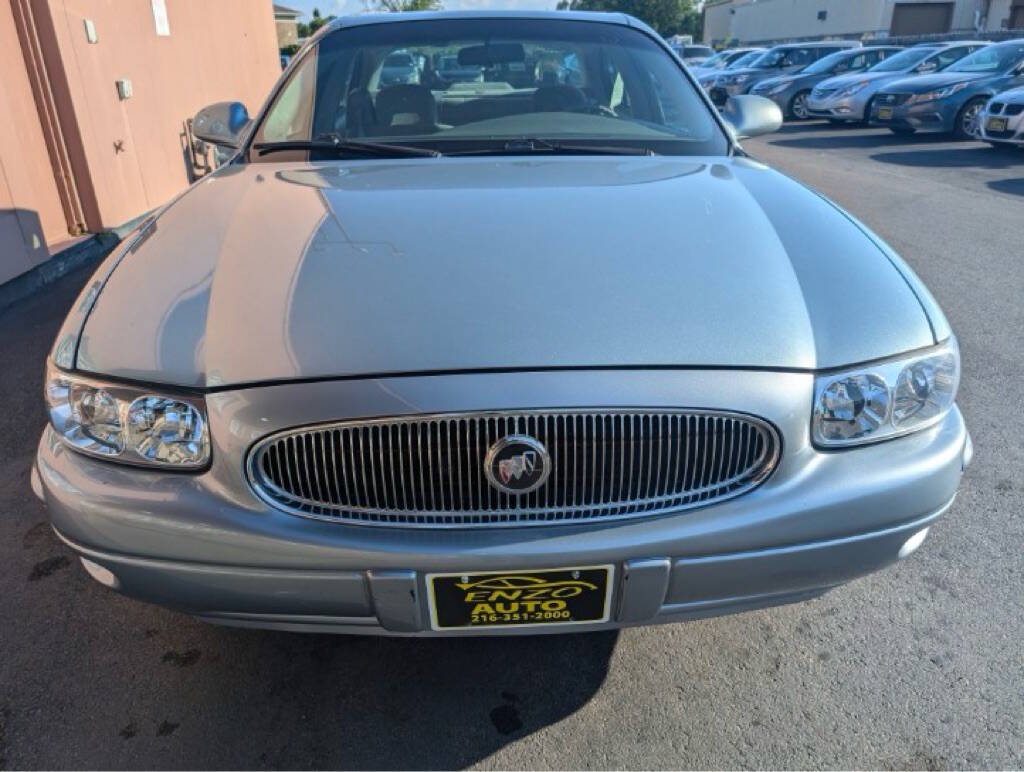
(968, 120)
(798, 106)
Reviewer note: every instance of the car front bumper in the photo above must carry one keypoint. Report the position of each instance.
(782, 98)
(206, 545)
(851, 108)
(1012, 135)
(936, 116)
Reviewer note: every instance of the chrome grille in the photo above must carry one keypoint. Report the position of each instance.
(428, 471)
(821, 93)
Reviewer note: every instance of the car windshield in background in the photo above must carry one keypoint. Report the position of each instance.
(747, 60)
(717, 61)
(695, 51)
(998, 58)
(903, 60)
(488, 85)
(826, 63)
(787, 57)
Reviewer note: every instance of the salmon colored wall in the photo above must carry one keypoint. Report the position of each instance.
(30, 211)
(134, 149)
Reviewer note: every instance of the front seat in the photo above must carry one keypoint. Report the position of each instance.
(558, 99)
(406, 109)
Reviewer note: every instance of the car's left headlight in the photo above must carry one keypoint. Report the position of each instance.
(852, 89)
(941, 93)
(129, 424)
(892, 398)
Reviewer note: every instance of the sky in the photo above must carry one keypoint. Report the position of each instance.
(342, 7)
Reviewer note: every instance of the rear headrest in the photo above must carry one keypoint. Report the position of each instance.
(406, 106)
(558, 99)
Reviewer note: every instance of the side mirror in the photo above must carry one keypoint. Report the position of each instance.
(221, 124)
(751, 116)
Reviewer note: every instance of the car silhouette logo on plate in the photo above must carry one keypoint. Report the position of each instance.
(517, 464)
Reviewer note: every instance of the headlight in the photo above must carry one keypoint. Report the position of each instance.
(885, 400)
(851, 90)
(941, 93)
(778, 88)
(126, 423)
(735, 79)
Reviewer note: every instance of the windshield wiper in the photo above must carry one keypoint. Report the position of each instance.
(537, 145)
(330, 143)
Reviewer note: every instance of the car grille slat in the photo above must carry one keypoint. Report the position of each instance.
(428, 471)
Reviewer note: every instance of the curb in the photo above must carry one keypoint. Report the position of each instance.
(90, 250)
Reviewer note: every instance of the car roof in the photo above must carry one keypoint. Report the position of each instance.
(621, 19)
(822, 43)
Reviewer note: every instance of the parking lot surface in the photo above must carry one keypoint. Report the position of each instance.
(919, 666)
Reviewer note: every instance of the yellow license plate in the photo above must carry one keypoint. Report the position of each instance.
(495, 599)
(996, 124)
(885, 113)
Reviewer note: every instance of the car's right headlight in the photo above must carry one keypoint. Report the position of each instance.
(892, 398)
(129, 424)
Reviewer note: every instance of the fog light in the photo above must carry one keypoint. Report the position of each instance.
(913, 543)
(100, 574)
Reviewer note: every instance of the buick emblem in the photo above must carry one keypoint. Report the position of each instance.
(517, 464)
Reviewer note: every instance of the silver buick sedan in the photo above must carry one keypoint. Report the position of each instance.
(537, 351)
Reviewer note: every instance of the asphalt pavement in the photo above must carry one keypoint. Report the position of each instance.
(919, 666)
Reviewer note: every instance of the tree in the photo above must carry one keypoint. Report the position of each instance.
(305, 30)
(668, 17)
(400, 6)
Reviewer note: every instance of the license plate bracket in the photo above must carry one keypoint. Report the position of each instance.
(885, 113)
(522, 598)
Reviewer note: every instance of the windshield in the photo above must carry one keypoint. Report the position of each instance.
(484, 84)
(998, 58)
(717, 61)
(747, 60)
(826, 63)
(787, 57)
(904, 60)
(694, 51)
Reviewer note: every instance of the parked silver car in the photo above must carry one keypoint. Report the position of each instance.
(791, 92)
(1002, 123)
(547, 358)
(850, 97)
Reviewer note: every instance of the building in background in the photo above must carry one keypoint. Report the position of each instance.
(287, 22)
(769, 21)
(95, 97)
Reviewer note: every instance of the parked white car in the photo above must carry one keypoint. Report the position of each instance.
(1002, 123)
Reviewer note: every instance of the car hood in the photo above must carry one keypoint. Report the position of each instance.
(922, 84)
(1014, 95)
(267, 272)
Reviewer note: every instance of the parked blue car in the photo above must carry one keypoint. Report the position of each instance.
(951, 101)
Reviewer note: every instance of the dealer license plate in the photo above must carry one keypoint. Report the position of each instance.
(491, 599)
(996, 124)
(885, 113)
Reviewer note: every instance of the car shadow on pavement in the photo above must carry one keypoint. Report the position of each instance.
(1014, 187)
(837, 139)
(349, 702)
(974, 156)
